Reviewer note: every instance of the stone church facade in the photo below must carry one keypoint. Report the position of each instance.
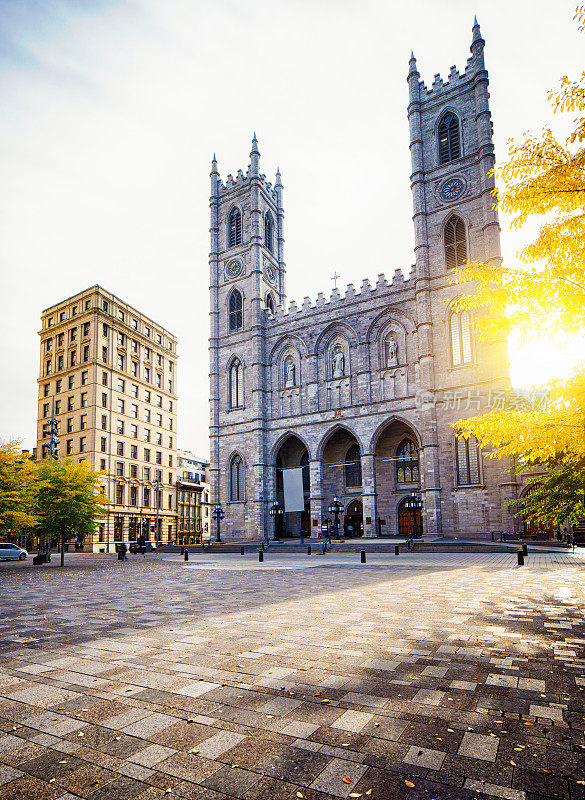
(361, 389)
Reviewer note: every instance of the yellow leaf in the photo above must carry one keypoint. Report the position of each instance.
(347, 780)
(513, 763)
(410, 784)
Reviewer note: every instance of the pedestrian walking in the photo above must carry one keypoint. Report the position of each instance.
(122, 550)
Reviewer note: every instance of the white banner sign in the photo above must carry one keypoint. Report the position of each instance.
(294, 499)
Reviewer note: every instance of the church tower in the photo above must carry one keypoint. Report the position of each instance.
(247, 283)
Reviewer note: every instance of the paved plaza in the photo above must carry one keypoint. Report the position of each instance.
(419, 676)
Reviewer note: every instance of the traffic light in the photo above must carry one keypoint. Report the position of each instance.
(54, 449)
(46, 432)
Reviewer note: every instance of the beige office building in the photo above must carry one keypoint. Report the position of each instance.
(112, 372)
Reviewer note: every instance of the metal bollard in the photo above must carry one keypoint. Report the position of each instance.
(182, 551)
(241, 551)
(363, 556)
(520, 558)
(396, 550)
(524, 549)
(324, 550)
(261, 555)
(186, 555)
(309, 551)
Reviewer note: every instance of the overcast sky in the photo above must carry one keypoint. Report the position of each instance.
(112, 109)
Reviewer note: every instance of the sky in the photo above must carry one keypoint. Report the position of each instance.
(112, 110)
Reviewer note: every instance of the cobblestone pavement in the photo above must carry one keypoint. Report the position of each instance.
(420, 677)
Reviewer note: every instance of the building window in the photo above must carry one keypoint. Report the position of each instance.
(104, 400)
(467, 456)
(120, 448)
(134, 470)
(133, 451)
(48, 345)
(147, 374)
(147, 415)
(83, 378)
(159, 380)
(70, 382)
(353, 467)
(407, 462)
(133, 495)
(60, 339)
(134, 390)
(86, 328)
(147, 331)
(72, 358)
(449, 145)
(159, 420)
(69, 424)
(121, 361)
(49, 322)
(82, 444)
(119, 496)
(236, 394)
(83, 399)
(105, 329)
(121, 315)
(74, 311)
(236, 316)
(70, 404)
(46, 389)
(134, 346)
(73, 334)
(46, 410)
(234, 227)
(120, 406)
(146, 435)
(461, 349)
(60, 363)
(171, 406)
(158, 439)
(120, 427)
(135, 323)
(102, 465)
(147, 396)
(134, 411)
(170, 461)
(121, 340)
(104, 353)
(58, 385)
(146, 454)
(104, 422)
(158, 338)
(57, 407)
(270, 302)
(134, 369)
(146, 497)
(121, 385)
(268, 228)
(158, 457)
(83, 422)
(455, 243)
(134, 431)
(69, 447)
(120, 469)
(236, 473)
(146, 473)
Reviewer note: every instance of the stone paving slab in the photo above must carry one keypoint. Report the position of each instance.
(441, 676)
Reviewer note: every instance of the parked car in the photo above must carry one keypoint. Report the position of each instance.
(11, 552)
(136, 548)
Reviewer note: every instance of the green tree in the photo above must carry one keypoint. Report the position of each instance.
(558, 496)
(17, 496)
(69, 500)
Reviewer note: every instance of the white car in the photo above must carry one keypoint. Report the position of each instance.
(11, 552)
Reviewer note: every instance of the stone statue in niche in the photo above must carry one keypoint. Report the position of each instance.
(289, 372)
(338, 362)
(391, 352)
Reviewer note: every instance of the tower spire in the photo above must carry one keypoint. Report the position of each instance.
(254, 157)
(412, 68)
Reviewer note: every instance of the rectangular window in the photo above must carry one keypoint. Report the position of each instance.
(50, 322)
(61, 316)
(120, 448)
(159, 380)
(133, 451)
(103, 444)
(82, 444)
(72, 358)
(69, 447)
(120, 427)
(102, 464)
(69, 424)
(120, 361)
(171, 365)
(119, 495)
(60, 339)
(171, 478)
(46, 410)
(58, 386)
(147, 415)
(170, 387)
(48, 345)
(87, 305)
(159, 420)
(104, 378)
(83, 422)
(134, 390)
(121, 340)
(147, 353)
(46, 389)
(159, 476)
(120, 469)
(135, 324)
(146, 497)
(83, 399)
(158, 338)
(134, 411)
(133, 495)
(147, 374)
(147, 331)
(147, 396)
(104, 329)
(146, 454)
(159, 360)
(73, 334)
(134, 431)
(104, 422)
(171, 406)
(134, 470)
(104, 353)
(171, 442)
(134, 369)
(158, 439)
(86, 353)
(70, 404)
(121, 385)
(59, 364)
(104, 400)
(159, 401)
(120, 315)
(170, 423)
(146, 435)
(120, 406)
(86, 328)
(158, 457)
(146, 473)
(74, 311)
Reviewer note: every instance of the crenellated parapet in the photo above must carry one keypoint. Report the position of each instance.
(383, 288)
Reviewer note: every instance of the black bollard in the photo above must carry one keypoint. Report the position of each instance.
(524, 549)
(241, 551)
(186, 555)
(324, 549)
(396, 550)
(363, 556)
(520, 558)
(182, 551)
(309, 551)
(261, 555)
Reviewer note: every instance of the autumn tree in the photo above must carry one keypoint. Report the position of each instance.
(542, 179)
(69, 500)
(17, 498)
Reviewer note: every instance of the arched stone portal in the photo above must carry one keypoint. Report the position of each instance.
(292, 453)
(342, 474)
(397, 473)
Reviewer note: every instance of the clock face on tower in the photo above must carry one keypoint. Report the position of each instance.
(452, 189)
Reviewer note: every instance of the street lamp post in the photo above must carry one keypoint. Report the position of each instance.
(157, 484)
(218, 514)
(275, 511)
(334, 508)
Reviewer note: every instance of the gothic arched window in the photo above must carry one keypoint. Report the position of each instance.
(467, 458)
(236, 478)
(449, 144)
(353, 466)
(407, 462)
(234, 227)
(460, 338)
(236, 384)
(236, 312)
(270, 303)
(268, 230)
(455, 243)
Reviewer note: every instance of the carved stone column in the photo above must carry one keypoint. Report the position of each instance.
(369, 494)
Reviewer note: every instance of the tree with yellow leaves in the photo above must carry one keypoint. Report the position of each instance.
(17, 501)
(546, 292)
